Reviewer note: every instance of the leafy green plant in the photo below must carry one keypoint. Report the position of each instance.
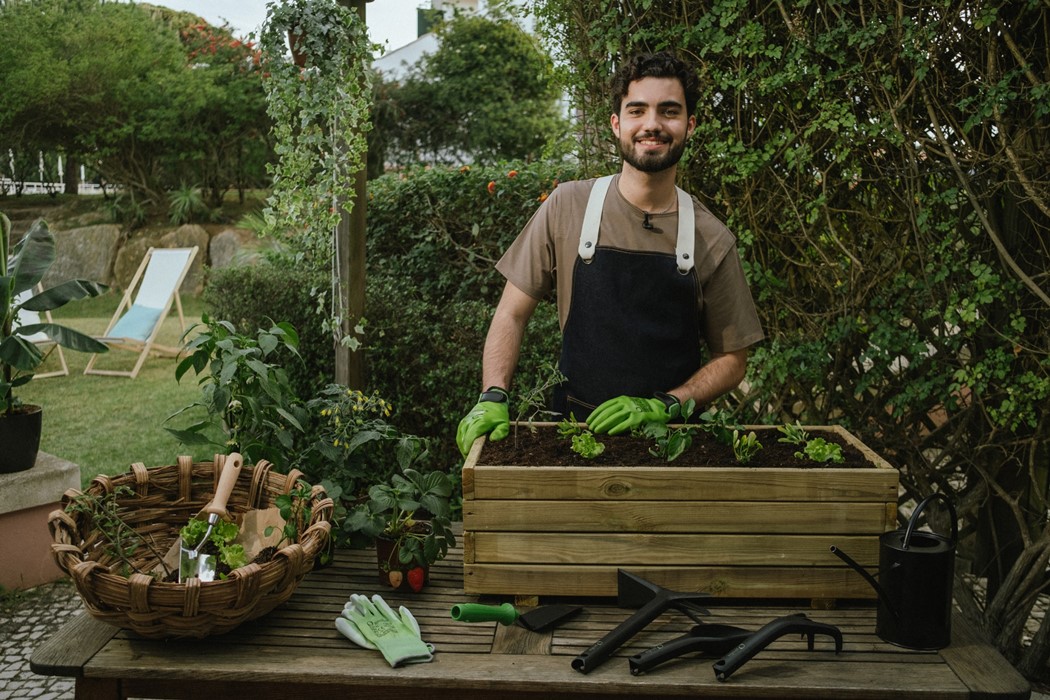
(671, 441)
(187, 204)
(718, 425)
(245, 394)
(350, 441)
(816, 449)
(412, 509)
(582, 440)
(119, 541)
(26, 264)
(221, 539)
(820, 450)
(319, 103)
(793, 434)
(745, 446)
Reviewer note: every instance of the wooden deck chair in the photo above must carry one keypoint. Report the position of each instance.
(27, 317)
(135, 326)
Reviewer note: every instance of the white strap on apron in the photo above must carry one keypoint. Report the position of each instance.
(592, 219)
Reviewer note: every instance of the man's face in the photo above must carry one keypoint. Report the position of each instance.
(652, 126)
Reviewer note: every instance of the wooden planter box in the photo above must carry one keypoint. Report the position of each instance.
(732, 531)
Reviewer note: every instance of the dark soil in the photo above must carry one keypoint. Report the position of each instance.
(544, 447)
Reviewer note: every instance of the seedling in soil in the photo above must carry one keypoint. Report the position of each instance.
(583, 440)
(820, 450)
(671, 442)
(745, 446)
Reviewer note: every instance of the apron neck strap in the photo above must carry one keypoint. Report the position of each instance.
(592, 219)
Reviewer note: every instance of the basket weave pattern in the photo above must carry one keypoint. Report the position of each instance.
(164, 500)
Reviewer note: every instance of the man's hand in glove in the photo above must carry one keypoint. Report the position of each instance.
(490, 416)
(373, 625)
(625, 412)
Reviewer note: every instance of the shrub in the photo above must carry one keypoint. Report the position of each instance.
(252, 296)
(427, 357)
(445, 228)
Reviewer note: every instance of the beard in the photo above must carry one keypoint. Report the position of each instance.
(652, 162)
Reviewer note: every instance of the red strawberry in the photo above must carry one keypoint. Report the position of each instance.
(395, 579)
(416, 578)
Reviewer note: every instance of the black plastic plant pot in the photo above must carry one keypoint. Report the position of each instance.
(20, 438)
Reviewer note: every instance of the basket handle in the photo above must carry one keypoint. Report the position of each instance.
(231, 469)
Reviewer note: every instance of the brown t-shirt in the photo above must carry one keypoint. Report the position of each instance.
(542, 258)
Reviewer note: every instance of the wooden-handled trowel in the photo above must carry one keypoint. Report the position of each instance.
(191, 561)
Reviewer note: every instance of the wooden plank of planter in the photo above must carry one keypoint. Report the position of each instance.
(676, 516)
(721, 581)
(681, 484)
(673, 549)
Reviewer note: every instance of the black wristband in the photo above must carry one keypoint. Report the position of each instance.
(494, 394)
(671, 402)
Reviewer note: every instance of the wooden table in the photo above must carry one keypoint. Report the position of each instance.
(295, 652)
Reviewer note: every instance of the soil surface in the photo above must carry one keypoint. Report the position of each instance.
(544, 447)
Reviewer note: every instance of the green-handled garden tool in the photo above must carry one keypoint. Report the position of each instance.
(537, 620)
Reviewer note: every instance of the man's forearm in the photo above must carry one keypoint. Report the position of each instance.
(500, 358)
(503, 342)
(720, 375)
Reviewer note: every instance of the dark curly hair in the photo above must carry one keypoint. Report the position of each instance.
(663, 64)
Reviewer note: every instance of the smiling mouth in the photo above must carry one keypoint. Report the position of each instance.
(649, 140)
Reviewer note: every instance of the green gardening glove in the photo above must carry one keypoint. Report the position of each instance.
(490, 416)
(373, 625)
(625, 412)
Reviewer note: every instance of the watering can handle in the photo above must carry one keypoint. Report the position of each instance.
(913, 521)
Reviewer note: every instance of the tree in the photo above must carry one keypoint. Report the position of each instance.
(485, 95)
(112, 84)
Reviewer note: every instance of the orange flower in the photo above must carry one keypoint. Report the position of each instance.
(465, 169)
(542, 197)
(492, 187)
(512, 173)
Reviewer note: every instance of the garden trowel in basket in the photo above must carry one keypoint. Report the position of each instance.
(193, 563)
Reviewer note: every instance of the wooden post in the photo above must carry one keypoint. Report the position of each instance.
(349, 364)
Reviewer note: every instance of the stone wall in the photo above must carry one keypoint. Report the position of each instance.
(103, 253)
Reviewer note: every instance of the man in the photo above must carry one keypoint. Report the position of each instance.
(645, 277)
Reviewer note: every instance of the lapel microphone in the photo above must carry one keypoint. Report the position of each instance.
(646, 224)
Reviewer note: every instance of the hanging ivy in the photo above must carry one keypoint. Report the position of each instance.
(317, 60)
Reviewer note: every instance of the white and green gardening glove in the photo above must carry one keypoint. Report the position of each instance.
(490, 416)
(625, 412)
(373, 625)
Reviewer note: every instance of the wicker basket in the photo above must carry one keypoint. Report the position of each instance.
(165, 499)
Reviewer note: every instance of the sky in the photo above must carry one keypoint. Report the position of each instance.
(391, 23)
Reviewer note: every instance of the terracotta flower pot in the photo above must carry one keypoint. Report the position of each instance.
(20, 438)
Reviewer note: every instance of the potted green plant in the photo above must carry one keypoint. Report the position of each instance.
(26, 263)
(408, 518)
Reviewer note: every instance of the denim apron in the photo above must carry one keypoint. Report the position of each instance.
(633, 324)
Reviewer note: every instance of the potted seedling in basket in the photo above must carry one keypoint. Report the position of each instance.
(408, 520)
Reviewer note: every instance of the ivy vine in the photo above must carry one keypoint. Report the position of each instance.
(319, 101)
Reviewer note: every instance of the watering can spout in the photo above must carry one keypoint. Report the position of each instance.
(867, 577)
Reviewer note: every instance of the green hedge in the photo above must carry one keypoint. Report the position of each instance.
(251, 296)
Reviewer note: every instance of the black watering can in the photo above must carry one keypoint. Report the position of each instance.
(916, 572)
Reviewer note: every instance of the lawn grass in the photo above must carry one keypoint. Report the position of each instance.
(104, 424)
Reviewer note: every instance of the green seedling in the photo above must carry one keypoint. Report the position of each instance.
(745, 446)
(583, 441)
(793, 434)
(670, 441)
(820, 450)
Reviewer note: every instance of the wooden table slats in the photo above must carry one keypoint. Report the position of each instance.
(295, 651)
